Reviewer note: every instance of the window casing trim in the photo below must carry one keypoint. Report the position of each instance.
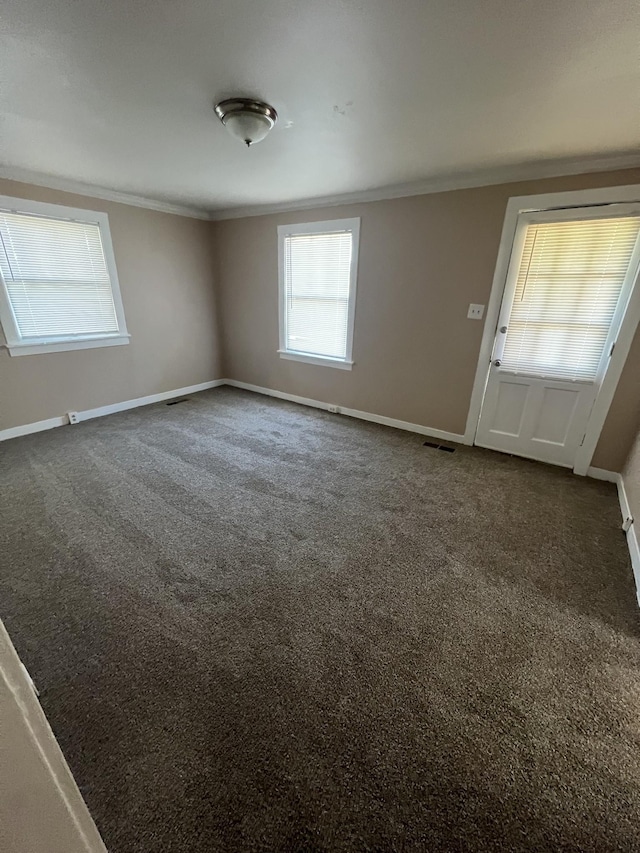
(323, 360)
(330, 225)
(64, 344)
(18, 345)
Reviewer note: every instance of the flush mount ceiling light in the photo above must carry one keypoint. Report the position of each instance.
(247, 119)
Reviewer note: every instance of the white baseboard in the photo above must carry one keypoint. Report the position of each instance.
(281, 395)
(50, 423)
(632, 539)
(602, 474)
(625, 508)
(112, 408)
(625, 511)
(38, 426)
(351, 413)
(634, 552)
(88, 414)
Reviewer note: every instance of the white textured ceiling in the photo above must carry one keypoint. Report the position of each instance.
(119, 93)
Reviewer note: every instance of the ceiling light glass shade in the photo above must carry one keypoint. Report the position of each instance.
(248, 127)
(246, 119)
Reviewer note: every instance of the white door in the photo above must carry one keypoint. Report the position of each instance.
(569, 281)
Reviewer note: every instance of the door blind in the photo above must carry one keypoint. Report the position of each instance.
(569, 283)
(317, 274)
(56, 277)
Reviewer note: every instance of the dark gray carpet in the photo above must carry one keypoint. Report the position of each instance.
(261, 627)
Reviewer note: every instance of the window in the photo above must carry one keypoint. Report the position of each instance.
(59, 287)
(318, 265)
(572, 274)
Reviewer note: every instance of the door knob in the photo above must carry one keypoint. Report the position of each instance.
(497, 362)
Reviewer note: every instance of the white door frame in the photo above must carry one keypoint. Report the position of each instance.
(554, 201)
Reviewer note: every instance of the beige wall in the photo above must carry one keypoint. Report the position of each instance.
(623, 420)
(422, 261)
(166, 272)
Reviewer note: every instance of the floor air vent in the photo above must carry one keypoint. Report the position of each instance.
(439, 446)
(175, 402)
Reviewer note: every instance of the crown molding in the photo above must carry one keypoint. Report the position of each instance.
(24, 176)
(445, 183)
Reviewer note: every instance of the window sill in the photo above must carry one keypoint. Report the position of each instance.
(324, 361)
(34, 348)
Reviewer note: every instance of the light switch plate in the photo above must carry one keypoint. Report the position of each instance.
(475, 312)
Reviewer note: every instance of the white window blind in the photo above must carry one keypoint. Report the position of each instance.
(569, 283)
(317, 275)
(56, 277)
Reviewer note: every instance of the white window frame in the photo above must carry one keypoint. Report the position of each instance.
(570, 214)
(329, 225)
(14, 342)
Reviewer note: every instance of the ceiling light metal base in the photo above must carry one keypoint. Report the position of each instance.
(246, 118)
